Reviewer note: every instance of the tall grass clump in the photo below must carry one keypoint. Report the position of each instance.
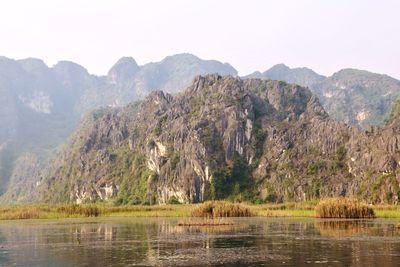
(213, 209)
(83, 209)
(346, 208)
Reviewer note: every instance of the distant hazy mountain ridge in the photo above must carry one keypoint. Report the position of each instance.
(353, 96)
(301, 76)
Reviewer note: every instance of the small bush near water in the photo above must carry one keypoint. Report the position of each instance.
(345, 208)
(213, 209)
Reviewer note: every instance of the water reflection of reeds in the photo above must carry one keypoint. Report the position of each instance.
(201, 225)
(343, 228)
(348, 228)
(205, 222)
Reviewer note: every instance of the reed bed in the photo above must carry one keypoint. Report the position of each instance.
(137, 208)
(75, 209)
(20, 214)
(345, 208)
(214, 209)
(94, 210)
(48, 211)
(333, 208)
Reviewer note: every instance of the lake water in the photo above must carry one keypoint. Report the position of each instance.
(161, 242)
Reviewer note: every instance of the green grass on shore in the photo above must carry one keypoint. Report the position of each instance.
(47, 211)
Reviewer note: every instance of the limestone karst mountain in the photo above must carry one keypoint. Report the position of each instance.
(223, 137)
(40, 106)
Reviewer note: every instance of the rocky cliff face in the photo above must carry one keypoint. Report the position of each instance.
(41, 106)
(223, 137)
(352, 96)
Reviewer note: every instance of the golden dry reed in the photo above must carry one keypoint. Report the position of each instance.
(213, 209)
(75, 209)
(346, 208)
(20, 214)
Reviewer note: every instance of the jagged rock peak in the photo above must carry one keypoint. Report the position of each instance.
(182, 56)
(187, 58)
(70, 68)
(286, 98)
(123, 70)
(33, 65)
(279, 67)
(201, 81)
(159, 97)
(283, 70)
(302, 76)
(353, 71)
(361, 76)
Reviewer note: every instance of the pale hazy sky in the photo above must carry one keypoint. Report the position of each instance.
(325, 35)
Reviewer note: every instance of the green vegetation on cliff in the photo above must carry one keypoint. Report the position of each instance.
(394, 113)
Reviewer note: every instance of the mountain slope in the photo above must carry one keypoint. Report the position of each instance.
(359, 97)
(223, 138)
(394, 113)
(35, 113)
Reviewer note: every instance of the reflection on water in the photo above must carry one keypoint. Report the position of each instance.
(161, 242)
(344, 228)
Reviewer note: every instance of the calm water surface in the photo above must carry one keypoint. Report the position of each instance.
(161, 242)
